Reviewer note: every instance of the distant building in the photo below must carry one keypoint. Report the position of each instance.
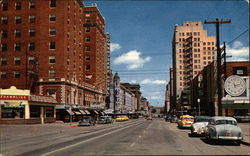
(192, 50)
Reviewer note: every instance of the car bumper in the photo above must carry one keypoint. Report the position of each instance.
(227, 138)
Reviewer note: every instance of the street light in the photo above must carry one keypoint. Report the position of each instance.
(199, 109)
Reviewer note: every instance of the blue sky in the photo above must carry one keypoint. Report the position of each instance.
(141, 35)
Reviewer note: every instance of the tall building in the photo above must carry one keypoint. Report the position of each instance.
(51, 48)
(192, 50)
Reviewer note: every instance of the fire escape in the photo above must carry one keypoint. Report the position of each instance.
(188, 73)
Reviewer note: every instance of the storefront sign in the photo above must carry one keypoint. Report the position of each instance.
(100, 105)
(14, 97)
(13, 103)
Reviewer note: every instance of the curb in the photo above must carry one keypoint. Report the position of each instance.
(245, 143)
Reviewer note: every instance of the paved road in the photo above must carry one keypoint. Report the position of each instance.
(134, 137)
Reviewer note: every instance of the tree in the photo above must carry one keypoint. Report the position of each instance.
(153, 110)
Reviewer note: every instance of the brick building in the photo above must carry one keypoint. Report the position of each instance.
(192, 50)
(44, 49)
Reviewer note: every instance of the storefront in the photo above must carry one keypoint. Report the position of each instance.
(19, 107)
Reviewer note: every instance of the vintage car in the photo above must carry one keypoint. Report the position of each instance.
(105, 120)
(87, 121)
(149, 118)
(174, 119)
(185, 121)
(122, 118)
(223, 128)
(199, 125)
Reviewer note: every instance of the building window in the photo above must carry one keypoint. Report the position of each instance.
(52, 3)
(32, 4)
(87, 48)
(32, 19)
(3, 75)
(87, 20)
(52, 45)
(17, 60)
(52, 18)
(4, 20)
(4, 47)
(52, 59)
(87, 67)
(4, 6)
(52, 31)
(32, 46)
(18, 19)
(18, 33)
(18, 6)
(87, 38)
(16, 74)
(17, 46)
(31, 60)
(32, 32)
(87, 29)
(4, 33)
(204, 58)
(52, 73)
(3, 61)
(87, 58)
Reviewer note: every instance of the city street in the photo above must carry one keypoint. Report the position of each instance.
(133, 137)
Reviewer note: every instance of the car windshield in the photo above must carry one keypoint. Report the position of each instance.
(202, 120)
(220, 122)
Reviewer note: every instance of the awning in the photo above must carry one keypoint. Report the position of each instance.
(102, 113)
(82, 111)
(86, 111)
(96, 112)
(77, 113)
(70, 112)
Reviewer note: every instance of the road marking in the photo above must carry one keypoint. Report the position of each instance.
(132, 144)
(63, 148)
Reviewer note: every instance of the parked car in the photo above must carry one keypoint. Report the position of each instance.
(87, 121)
(174, 119)
(105, 120)
(149, 118)
(185, 121)
(168, 118)
(199, 125)
(223, 128)
(122, 118)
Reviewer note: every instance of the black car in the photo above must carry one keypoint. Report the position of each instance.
(174, 119)
(87, 121)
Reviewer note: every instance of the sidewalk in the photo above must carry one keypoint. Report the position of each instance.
(245, 127)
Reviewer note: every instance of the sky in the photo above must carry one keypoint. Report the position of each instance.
(142, 31)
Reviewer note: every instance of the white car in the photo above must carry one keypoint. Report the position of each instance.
(199, 125)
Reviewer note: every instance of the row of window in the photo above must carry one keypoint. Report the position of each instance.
(189, 34)
(32, 5)
(17, 60)
(32, 19)
(32, 32)
(31, 46)
(196, 50)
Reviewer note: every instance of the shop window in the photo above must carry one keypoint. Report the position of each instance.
(18, 19)
(18, 6)
(4, 6)
(32, 19)
(17, 46)
(35, 111)
(17, 74)
(52, 45)
(4, 33)
(32, 32)
(12, 112)
(18, 33)
(4, 20)
(3, 75)
(49, 111)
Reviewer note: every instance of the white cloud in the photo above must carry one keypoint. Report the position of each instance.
(133, 81)
(155, 98)
(132, 59)
(238, 52)
(157, 82)
(114, 47)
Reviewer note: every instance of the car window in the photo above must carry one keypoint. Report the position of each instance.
(231, 122)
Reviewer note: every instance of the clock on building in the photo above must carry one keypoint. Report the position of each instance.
(235, 85)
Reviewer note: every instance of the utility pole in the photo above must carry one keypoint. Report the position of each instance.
(219, 69)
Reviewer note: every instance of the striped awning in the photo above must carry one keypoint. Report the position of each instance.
(86, 111)
(77, 113)
(82, 111)
(70, 112)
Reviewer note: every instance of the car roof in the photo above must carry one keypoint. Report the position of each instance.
(223, 118)
(202, 117)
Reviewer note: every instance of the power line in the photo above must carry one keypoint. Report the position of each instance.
(238, 36)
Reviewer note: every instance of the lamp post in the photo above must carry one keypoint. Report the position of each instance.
(199, 108)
